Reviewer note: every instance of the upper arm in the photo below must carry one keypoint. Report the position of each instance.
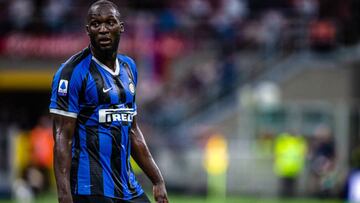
(66, 87)
(134, 127)
(136, 135)
(64, 102)
(63, 127)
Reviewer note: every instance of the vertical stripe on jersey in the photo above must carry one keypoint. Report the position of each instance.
(76, 147)
(114, 97)
(93, 149)
(116, 160)
(83, 175)
(128, 165)
(75, 160)
(105, 144)
(83, 89)
(103, 98)
(119, 84)
(66, 73)
(125, 175)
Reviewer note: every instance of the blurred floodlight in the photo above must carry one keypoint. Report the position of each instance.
(354, 188)
(267, 95)
(216, 155)
(22, 192)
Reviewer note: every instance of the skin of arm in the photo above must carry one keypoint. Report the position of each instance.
(141, 154)
(63, 130)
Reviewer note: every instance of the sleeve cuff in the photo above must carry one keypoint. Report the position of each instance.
(63, 113)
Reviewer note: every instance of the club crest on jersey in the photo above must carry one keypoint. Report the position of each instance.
(132, 88)
(63, 87)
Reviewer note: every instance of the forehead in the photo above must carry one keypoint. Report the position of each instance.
(102, 11)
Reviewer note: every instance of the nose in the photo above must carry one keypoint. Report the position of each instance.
(103, 28)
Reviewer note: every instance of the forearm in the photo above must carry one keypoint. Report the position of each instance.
(141, 154)
(63, 130)
(144, 159)
(62, 163)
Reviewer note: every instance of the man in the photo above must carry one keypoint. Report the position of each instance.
(290, 156)
(95, 128)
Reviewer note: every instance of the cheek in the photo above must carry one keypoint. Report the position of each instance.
(116, 33)
(116, 30)
(92, 36)
(94, 31)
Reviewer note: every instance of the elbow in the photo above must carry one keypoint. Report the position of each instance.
(138, 144)
(62, 150)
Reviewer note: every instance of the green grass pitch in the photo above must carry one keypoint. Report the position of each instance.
(198, 199)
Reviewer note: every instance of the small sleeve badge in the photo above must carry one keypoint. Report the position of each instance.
(63, 87)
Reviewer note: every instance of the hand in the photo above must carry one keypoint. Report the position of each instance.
(65, 199)
(160, 194)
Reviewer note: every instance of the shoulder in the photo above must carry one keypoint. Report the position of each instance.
(127, 59)
(79, 62)
(130, 62)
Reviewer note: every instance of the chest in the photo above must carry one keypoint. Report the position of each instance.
(104, 88)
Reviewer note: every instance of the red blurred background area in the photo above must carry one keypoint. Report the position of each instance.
(250, 73)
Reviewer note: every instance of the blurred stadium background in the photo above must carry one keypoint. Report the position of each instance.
(244, 100)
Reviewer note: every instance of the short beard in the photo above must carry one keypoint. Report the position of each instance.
(105, 52)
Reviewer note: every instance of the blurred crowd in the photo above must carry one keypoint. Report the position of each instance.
(161, 33)
(227, 21)
(188, 58)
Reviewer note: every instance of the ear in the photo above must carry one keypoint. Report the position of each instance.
(87, 30)
(122, 27)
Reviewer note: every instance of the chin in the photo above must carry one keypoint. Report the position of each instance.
(107, 49)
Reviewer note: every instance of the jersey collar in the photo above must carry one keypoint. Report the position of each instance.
(117, 67)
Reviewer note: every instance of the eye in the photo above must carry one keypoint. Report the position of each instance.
(111, 23)
(95, 24)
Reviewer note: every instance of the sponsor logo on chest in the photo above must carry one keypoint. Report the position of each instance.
(116, 115)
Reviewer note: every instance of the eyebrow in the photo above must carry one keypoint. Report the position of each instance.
(92, 15)
(112, 15)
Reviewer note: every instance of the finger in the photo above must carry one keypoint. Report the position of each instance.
(160, 200)
(164, 199)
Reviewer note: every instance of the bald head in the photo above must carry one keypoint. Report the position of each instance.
(101, 6)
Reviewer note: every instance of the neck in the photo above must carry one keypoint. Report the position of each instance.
(107, 58)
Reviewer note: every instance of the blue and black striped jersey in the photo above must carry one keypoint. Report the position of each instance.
(103, 103)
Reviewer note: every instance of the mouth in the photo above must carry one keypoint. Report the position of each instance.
(105, 41)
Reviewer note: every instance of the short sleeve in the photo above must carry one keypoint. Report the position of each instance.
(66, 87)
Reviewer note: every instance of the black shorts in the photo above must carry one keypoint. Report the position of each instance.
(101, 199)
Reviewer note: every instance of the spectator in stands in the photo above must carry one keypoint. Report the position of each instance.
(322, 162)
(21, 13)
(228, 73)
(307, 9)
(227, 18)
(54, 14)
(272, 24)
(290, 154)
